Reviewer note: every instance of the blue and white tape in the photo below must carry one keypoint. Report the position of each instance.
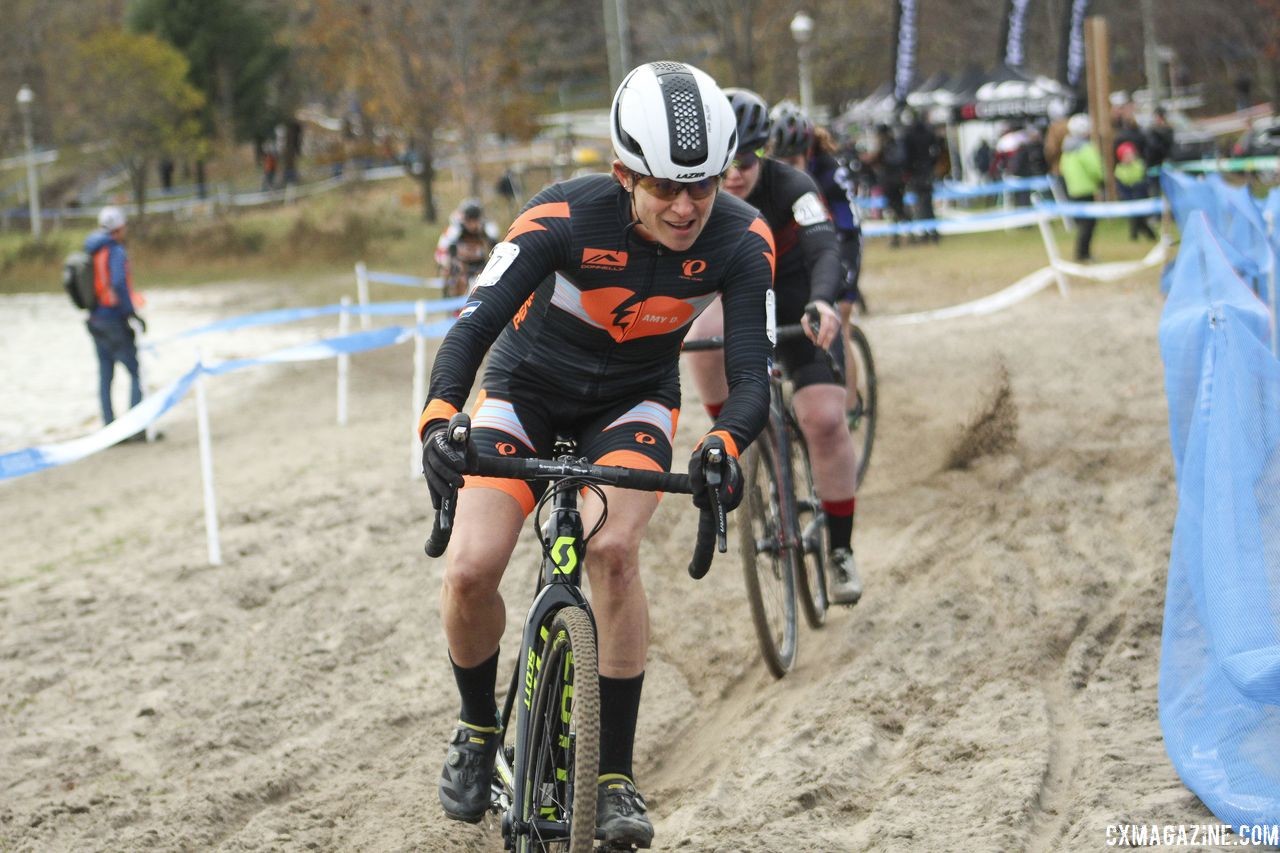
(32, 459)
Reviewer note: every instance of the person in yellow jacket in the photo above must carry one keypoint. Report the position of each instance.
(1131, 183)
(1081, 167)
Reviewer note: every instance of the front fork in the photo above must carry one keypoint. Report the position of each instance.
(559, 587)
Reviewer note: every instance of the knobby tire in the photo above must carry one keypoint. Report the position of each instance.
(862, 419)
(811, 578)
(565, 734)
(768, 561)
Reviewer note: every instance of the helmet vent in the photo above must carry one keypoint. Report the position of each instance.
(685, 120)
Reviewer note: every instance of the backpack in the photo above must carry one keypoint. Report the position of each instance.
(77, 280)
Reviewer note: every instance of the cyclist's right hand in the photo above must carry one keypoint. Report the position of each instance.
(443, 462)
(729, 487)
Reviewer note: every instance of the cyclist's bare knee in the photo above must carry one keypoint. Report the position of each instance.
(613, 563)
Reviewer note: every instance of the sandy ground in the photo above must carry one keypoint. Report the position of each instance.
(995, 689)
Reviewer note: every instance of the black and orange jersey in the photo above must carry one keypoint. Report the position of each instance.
(808, 255)
(582, 307)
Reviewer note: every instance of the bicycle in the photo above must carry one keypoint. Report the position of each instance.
(860, 373)
(782, 535)
(457, 278)
(535, 785)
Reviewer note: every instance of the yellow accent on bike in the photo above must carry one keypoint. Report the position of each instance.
(565, 562)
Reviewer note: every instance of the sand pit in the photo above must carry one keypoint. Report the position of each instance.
(995, 689)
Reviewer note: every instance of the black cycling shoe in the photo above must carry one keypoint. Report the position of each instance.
(621, 821)
(468, 771)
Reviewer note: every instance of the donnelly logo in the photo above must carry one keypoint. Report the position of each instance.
(603, 259)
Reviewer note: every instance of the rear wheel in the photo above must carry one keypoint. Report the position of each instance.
(564, 741)
(769, 554)
(860, 380)
(811, 579)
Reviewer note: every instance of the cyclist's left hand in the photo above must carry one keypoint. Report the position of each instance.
(829, 324)
(443, 463)
(730, 490)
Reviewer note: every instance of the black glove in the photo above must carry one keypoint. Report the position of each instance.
(730, 487)
(443, 463)
(142, 324)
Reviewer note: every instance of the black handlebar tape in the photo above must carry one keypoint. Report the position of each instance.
(553, 469)
(438, 541)
(704, 545)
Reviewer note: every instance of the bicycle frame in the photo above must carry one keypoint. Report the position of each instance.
(564, 548)
(559, 587)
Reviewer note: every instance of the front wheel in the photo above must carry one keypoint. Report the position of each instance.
(766, 536)
(811, 521)
(564, 741)
(860, 381)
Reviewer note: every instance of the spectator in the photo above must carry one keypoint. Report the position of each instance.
(110, 321)
(890, 163)
(1054, 136)
(983, 160)
(1081, 165)
(269, 163)
(923, 147)
(1131, 183)
(1159, 145)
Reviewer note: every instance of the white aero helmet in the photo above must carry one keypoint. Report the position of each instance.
(670, 120)
(110, 218)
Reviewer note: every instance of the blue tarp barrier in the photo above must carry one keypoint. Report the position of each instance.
(1235, 218)
(1220, 659)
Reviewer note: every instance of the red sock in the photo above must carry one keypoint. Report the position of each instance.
(713, 409)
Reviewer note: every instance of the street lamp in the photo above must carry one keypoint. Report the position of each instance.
(802, 31)
(25, 97)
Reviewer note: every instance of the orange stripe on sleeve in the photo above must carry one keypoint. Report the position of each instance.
(436, 410)
(729, 444)
(761, 228)
(528, 221)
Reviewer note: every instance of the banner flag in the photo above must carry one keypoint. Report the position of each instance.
(904, 51)
(1072, 62)
(1011, 36)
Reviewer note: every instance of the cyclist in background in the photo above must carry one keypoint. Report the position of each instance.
(808, 273)
(585, 304)
(797, 141)
(464, 245)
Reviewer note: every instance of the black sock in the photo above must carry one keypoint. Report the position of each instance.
(839, 523)
(619, 708)
(476, 686)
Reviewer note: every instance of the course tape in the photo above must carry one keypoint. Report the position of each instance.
(293, 315)
(953, 190)
(32, 459)
(1018, 218)
(1011, 295)
(1233, 164)
(1117, 270)
(1026, 287)
(402, 280)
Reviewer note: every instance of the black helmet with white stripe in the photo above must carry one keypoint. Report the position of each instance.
(671, 120)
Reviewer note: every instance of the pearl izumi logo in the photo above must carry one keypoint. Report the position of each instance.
(603, 259)
(693, 269)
